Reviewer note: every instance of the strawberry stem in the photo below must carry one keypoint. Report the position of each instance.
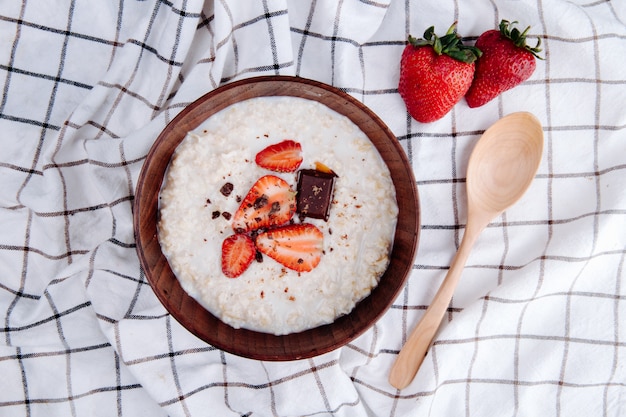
(450, 44)
(518, 38)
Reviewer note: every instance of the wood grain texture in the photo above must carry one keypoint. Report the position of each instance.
(501, 168)
(249, 343)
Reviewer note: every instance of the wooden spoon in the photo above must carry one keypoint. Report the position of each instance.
(500, 170)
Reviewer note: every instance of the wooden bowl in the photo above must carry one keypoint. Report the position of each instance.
(249, 343)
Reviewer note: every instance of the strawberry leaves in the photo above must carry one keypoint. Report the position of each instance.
(518, 38)
(450, 44)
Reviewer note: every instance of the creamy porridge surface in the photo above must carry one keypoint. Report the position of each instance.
(268, 297)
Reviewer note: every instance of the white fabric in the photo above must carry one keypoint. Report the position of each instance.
(537, 326)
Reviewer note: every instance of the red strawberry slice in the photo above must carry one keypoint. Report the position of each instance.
(298, 246)
(285, 156)
(238, 252)
(270, 202)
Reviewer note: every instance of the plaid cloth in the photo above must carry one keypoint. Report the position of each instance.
(537, 326)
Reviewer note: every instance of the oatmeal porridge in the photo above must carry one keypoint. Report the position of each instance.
(209, 179)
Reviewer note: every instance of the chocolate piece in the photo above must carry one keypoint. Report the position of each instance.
(315, 193)
(226, 189)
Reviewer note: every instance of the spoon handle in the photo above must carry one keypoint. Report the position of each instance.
(414, 350)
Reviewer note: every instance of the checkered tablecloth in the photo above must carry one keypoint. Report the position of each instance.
(537, 326)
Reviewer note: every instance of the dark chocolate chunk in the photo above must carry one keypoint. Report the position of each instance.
(226, 215)
(215, 214)
(261, 202)
(315, 193)
(226, 189)
(275, 207)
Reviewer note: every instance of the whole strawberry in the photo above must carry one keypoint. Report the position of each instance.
(506, 62)
(435, 73)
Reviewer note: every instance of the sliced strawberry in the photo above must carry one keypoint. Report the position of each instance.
(285, 156)
(238, 252)
(270, 202)
(297, 246)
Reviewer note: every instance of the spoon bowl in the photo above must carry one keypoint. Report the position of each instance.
(504, 163)
(501, 167)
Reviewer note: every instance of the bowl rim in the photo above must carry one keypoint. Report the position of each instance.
(186, 310)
